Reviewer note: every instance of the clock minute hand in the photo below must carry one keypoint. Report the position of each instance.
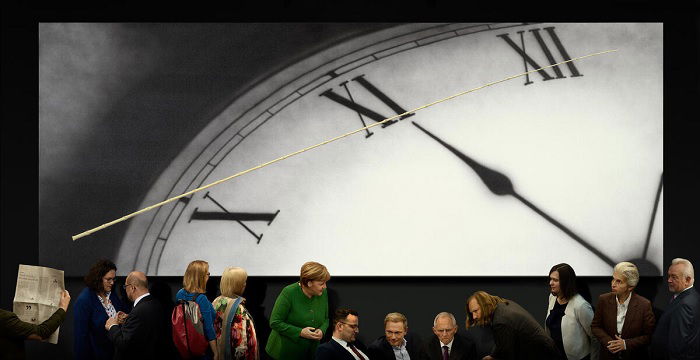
(500, 184)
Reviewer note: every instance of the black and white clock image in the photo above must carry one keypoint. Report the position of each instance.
(564, 164)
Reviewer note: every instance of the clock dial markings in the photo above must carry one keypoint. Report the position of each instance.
(548, 53)
(653, 216)
(500, 184)
(362, 110)
(235, 216)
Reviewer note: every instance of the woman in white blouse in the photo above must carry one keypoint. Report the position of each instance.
(569, 316)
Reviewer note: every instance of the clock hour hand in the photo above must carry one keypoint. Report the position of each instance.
(500, 184)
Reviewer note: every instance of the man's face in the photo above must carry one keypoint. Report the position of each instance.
(444, 329)
(349, 328)
(676, 281)
(474, 309)
(619, 284)
(394, 332)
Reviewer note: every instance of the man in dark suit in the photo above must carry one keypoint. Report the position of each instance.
(677, 334)
(446, 344)
(516, 334)
(343, 344)
(142, 334)
(397, 343)
(623, 321)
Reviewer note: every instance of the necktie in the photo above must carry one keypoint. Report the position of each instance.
(359, 356)
(445, 353)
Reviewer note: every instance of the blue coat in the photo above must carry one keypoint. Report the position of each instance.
(90, 339)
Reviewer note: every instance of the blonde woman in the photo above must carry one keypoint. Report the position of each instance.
(300, 315)
(194, 287)
(235, 330)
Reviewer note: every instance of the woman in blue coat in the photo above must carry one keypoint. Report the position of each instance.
(97, 302)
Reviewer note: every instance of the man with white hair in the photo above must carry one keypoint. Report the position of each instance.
(447, 344)
(677, 334)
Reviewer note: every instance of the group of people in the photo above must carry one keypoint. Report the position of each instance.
(623, 325)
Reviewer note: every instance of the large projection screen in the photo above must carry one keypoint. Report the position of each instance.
(564, 164)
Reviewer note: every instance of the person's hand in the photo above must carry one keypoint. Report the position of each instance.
(65, 300)
(319, 333)
(310, 333)
(111, 321)
(617, 345)
(121, 317)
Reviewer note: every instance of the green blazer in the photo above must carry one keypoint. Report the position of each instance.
(14, 331)
(292, 312)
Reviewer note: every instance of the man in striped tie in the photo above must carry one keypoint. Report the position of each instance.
(343, 345)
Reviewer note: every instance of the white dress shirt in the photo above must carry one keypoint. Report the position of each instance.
(344, 344)
(622, 312)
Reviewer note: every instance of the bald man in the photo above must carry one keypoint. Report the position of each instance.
(142, 334)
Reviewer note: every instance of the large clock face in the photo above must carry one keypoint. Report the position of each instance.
(561, 165)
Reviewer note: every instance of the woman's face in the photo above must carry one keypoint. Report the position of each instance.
(108, 281)
(618, 284)
(316, 287)
(554, 283)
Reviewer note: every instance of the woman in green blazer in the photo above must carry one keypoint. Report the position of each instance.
(300, 315)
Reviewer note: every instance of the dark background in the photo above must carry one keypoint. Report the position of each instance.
(420, 298)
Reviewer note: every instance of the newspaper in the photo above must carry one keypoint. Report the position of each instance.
(37, 295)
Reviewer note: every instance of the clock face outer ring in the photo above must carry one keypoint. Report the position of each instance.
(147, 237)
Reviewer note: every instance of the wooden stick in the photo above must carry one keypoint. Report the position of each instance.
(76, 237)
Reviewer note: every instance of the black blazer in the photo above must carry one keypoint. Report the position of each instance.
(381, 350)
(332, 350)
(462, 349)
(677, 334)
(143, 333)
(517, 335)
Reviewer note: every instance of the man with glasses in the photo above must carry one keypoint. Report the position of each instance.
(397, 343)
(447, 344)
(343, 344)
(142, 334)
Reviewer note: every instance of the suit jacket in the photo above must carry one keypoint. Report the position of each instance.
(462, 349)
(636, 330)
(517, 335)
(380, 349)
(677, 334)
(142, 336)
(90, 339)
(332, 350)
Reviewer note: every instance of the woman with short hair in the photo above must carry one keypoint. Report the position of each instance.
(235, 330)
(569, 316)
(623, 321)
(299, 317)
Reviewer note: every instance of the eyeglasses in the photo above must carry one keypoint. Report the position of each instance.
(125, 285)
(352, 326)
